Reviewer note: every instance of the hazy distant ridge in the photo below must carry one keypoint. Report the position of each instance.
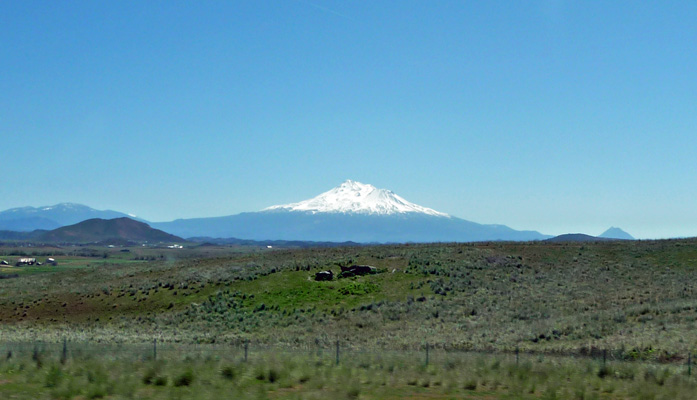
(26, 219)
(610, 234)
(350, 212)
(287, 225)
(616, 233)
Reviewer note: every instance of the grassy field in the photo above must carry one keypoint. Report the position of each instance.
(76, 257)
(214, 372)
(634, 300)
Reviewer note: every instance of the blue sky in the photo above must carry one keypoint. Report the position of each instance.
(558, 116)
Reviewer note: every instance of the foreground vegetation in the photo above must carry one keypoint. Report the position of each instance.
(635, 299)
(209, 372)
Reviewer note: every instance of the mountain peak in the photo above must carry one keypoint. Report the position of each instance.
(355, 186)
(353, 197)
(616, 233)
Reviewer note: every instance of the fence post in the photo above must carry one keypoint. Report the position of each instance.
(337, 352)
(689, 364)
(246, 349)
(154, 349)
(35, 353)
(604, 357)
(427, 354)
(64, 355)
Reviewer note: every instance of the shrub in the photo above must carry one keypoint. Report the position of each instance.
(96, 392)
(228, 373)
(353, 393)
(149, 377)
(53, 377)
(161, 381)
(471, 385)
(604, 371)
(184, 379)
(273, 375)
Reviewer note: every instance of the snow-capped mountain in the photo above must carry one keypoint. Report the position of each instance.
(357, 198)
(352, 211)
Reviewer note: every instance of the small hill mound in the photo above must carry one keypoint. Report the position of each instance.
(576, 237)
(108, 230)
(616, 233)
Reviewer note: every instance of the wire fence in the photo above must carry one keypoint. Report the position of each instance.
(338, 354)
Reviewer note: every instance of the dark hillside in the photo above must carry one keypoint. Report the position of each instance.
(577, 237)
(104, 230)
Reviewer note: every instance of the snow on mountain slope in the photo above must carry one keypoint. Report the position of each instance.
(57, 207)
(355, 197)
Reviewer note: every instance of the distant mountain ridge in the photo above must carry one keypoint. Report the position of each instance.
(609, 235)
(352, 211)
(26, 219)
(207, 241)
(21, 236)
(338, 227)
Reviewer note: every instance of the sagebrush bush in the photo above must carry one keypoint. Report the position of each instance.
(185, 379)
(228, 373)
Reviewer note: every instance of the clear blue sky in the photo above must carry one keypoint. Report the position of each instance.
(558, 116)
